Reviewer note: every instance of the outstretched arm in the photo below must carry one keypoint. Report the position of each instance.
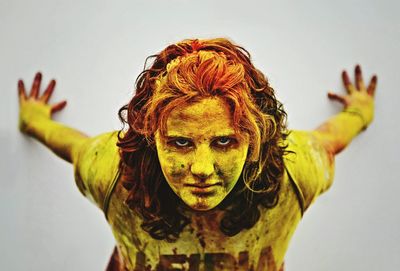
(95, 159)
(35, 120)
(338, 131)
(311, 162)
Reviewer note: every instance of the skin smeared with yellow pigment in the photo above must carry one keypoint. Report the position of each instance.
(35, 120)
(337, 132)
(200, 155)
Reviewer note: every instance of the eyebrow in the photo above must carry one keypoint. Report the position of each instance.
(173, 136)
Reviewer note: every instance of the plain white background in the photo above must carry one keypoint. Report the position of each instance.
(95, 50)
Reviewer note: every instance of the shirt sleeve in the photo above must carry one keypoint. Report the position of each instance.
(96, 167)
(309, 165)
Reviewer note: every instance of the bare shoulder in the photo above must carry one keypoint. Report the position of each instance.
(310, 166)
(96, 166)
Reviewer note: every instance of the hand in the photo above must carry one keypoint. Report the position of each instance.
(35, 107)
(359, 99)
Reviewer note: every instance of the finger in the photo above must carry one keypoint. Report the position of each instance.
(346, 81)
(58, 107)
(21, 90)
(359, 80)
(36, 85)
(372, 85)
(49, 91)
(335, 97)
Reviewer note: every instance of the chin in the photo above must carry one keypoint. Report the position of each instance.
(203, 206)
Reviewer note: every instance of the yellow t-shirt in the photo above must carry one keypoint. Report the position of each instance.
(308, 173)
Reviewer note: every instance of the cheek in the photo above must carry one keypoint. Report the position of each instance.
(174, 166)
(230, 165)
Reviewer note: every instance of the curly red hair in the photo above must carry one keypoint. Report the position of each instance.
(182, 74)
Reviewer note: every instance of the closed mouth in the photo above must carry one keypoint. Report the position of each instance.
(203, 185)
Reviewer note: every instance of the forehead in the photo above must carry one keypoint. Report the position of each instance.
(207, 117)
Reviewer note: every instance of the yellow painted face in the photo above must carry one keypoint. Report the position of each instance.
(201, 156)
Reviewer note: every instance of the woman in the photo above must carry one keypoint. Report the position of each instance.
(205, 176)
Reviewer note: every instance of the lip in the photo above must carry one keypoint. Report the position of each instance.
(203, 185)
(203, 190)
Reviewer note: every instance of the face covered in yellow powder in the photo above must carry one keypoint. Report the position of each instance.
(201, 156)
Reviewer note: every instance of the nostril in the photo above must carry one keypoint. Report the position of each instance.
(201, 170)
(202, 177)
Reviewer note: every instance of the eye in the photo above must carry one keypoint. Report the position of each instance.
(181, 142)
(224, 141)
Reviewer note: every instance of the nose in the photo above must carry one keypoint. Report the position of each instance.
(203, 163)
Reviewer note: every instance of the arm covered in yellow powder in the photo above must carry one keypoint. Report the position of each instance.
(310, 157)
(35, 121)
(95, 159)
(338, 131)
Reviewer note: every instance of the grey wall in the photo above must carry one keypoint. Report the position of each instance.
(95, 49)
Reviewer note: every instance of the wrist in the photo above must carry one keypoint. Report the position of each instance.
(361, 106)
(359, 114)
